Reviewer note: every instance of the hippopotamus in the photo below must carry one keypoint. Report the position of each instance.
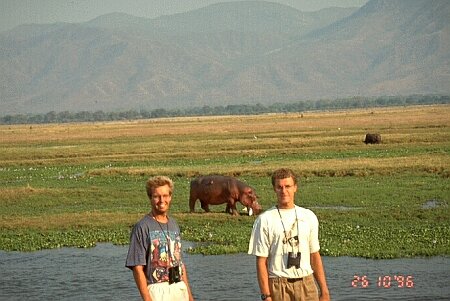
(372, 139)
(217, 189)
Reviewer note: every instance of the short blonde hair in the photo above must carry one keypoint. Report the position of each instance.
(158, 181)
(283, 173)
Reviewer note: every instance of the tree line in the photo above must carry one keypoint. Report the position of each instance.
(244, 109)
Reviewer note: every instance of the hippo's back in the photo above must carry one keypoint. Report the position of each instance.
(213, 186)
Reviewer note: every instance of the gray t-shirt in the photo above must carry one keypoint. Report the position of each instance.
(156, 246)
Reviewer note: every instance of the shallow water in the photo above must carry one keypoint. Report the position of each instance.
(99, 274)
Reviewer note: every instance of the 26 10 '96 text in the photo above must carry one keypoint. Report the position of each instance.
(385, 281)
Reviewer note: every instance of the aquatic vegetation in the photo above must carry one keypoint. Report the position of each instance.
(49, 239)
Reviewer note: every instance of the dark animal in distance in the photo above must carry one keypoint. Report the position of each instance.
(372, 139)
(217, 189)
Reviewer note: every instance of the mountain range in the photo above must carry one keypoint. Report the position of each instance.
(244, 52)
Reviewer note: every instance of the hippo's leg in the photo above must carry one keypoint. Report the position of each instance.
(231, 207)
(228, 209)
(191, 206)
(192, 200)
(205, 206)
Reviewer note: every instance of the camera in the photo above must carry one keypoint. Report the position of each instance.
(174, 274)
(294, 260)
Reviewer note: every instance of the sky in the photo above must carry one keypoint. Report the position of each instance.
(17, 12)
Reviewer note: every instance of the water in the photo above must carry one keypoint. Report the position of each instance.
(99, 274)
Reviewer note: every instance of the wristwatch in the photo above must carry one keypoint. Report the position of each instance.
(264, 297)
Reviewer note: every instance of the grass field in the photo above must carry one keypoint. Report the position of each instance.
(78, 184)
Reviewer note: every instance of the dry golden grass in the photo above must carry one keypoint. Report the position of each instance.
(374, 119)
(253, 138)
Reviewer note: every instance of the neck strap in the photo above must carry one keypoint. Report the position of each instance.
(286, 240)
(166, 234)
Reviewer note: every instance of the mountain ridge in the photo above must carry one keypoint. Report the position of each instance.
(119, 62)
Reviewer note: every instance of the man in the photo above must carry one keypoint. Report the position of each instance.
(154, 254)
(286, 244)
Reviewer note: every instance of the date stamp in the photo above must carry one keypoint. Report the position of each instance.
(383, 281)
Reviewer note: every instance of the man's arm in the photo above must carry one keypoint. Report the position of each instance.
(185, 280)
(263, 275)
(141, 282)
(319, 275)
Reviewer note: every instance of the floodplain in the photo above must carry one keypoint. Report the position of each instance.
(79, 184)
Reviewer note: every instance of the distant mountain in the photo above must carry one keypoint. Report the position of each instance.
(244, 16)
(227, 53)
(385, 48)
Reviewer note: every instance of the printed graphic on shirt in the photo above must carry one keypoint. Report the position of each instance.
(165, 252)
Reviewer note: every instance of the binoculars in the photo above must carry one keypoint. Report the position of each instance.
(294, 260)
(174, 274)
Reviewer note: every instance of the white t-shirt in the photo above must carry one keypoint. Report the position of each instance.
(270, 239)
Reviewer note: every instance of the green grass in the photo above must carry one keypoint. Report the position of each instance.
(376, 216)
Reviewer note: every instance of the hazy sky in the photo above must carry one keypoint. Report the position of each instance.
(16, 12)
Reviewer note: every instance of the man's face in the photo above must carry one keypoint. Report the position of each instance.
(285, 190)
(161, 199)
